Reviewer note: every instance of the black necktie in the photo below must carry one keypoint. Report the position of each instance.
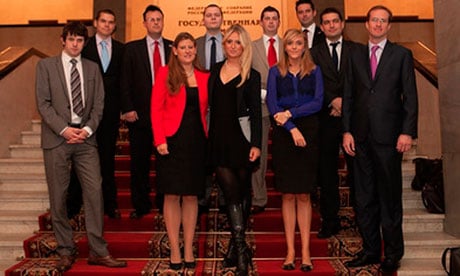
(213, 52)
(335, 56)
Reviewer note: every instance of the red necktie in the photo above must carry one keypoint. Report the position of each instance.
(156, 58)
(374, 60)
(271, 57)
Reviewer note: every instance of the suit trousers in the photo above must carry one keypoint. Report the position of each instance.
(378, 198)
(141, 146)
(83, 158)
(259, 185)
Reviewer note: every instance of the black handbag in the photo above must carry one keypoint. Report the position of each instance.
(453, 255)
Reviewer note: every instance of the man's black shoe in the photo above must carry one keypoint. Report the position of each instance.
(114, 214)
(389, 265)
(136, 215)
(363, 260)
(328, 231)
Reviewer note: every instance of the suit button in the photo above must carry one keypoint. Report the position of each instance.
(372, 91)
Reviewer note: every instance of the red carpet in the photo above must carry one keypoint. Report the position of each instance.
(144, 244)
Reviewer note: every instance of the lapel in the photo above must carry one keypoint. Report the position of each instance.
(60, 71)
(259, 51)
(144, 56)
(84, 65)
(386, 54)
(326, 56)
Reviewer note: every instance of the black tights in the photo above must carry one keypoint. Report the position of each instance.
(235, 184)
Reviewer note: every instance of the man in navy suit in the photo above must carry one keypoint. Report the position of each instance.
(380, 121)
(107, 53)
(137, 80)
(333, 66)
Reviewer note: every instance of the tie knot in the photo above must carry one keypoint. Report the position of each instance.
(334, 44)
(73, 61)
(103, 43)
(272, 40)
(305, 31)
(156, 43)
(374, 48)
(213, 38)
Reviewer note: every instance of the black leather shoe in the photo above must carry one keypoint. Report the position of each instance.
(363, 260)
(136, 215)
(65, 263)
(190, 264)
(114, 214)
(174, 266)
(389, 265)
(327, 231)
(257, 209)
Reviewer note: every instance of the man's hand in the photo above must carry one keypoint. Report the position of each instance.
(336, 107)
(254, 153)
(404, 143)
(75, 135)
(349, 143)
(130, 116)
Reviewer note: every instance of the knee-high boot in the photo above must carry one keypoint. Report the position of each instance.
(243, 253)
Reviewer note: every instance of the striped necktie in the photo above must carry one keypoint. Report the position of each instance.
(75, 86)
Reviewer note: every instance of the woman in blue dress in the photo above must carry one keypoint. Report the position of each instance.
(294, 97)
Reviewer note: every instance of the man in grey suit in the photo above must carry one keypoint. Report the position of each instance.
(208, 55)
(380, 120)
(266, 52)
(70, 100)
(212, 20)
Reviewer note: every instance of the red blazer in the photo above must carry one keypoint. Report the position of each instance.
(167, 110)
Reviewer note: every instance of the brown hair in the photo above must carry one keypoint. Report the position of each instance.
(176, 74)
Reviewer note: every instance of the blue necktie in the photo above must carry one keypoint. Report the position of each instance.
(104, 56)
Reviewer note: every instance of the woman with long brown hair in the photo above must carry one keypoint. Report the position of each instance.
(178, 112)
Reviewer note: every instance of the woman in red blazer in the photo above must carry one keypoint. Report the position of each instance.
(178, 113)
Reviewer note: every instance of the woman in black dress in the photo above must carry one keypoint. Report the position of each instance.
(294, 97)
(235, 136)
(178, 112)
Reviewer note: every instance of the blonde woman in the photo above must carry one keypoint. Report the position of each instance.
(294, 96)
(235, 136)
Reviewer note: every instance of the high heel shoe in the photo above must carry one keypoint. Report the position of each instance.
(288, 266)
(175, 266)
(230, 259)
(190, 264)
(244, 259)
(306, 267)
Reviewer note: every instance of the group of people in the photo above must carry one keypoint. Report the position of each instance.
(205, 106)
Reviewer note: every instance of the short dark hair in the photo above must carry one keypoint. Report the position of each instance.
(74, 28)
(212, 6)
(380, 7)
(330, 10)
(108, 11)
(269, 9)
(300, 2)
(152, 8)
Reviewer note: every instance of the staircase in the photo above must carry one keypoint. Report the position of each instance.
(23, 197)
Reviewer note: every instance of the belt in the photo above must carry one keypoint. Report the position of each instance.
(75, 125)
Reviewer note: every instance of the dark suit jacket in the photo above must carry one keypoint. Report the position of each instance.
(53, 101)
(387, 106)
(318, 36)
(333, 80)
(136, 79)
(248, 101)
(111, 77)
(167, 110)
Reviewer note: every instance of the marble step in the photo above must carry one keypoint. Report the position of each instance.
(24, 200)
(418, 220)
(26, 151)
(30, 138)
(17, 165)
(421, 267)
(21, 181)
(11, 246)
(412, 199)
(14, 221)
(427, 244)
(36, 125)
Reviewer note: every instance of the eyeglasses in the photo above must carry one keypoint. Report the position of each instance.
(381, 20)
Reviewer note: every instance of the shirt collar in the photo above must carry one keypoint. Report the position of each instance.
(66, 58)
(217, 36)
(99, 39)
(330, 41)
(266, 38)
(150, 40)
(381, 44)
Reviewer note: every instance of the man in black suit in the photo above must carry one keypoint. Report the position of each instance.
(380, 121)
(332, 56)
(137, 79)
(306, 12)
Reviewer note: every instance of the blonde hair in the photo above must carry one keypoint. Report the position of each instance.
(306, 64)
(246, 56)
(176, 74)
